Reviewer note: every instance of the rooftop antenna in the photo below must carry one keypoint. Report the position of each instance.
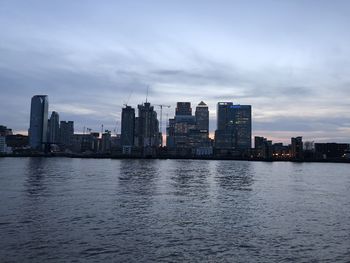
(147, 93)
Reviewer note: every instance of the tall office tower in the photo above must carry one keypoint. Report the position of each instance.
(54, 128)
(147, 127)
(202, 117)
(38, 122)
(183, 108)
(128, 126)
(66, 134)
(297, 147)
(234, 126)
(243, 126)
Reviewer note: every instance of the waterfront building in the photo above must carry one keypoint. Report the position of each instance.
(83, 143)
(38, 122)
(17, 141)
(234, 127)
(331, 150)
(280, 151)
(4, 131)
(106, 142)
(66, 134)
(147, 127)
(180, 126)
(128, 127)
(3, 146)
(170, 138)
(187, 135)
(297, 148)
(263, 148)
(202, 117)
(54, 128)
(116, 142)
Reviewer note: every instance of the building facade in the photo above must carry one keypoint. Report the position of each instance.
(234, 127)
(128, 127)
(4, 131)
(188, 135)
(147, 127)
(3, 146)
(202, 117)
(54, 128)
(297, 147)
(183, 108)
(38, 122)
(66, 134)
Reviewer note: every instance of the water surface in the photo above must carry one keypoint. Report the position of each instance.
(62, 209)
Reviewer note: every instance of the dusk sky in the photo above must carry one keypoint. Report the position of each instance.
(290, 60)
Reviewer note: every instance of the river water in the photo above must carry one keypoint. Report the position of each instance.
(102, 210)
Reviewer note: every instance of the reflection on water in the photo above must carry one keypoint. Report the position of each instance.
(36, 173)
(63, 209)
(237, 177)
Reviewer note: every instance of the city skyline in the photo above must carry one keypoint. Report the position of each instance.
(290, 63)
(140, 136)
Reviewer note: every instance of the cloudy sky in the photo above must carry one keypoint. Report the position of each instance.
(289, 59)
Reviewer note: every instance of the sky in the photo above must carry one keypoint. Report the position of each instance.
(290, 60)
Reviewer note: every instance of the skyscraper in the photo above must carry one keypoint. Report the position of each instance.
(66, 134)
(38, 122)
(297, 147)
(234, 127)
(128, 126)
(202, 117)
(54, 128)
(147, 131)
(183, 108)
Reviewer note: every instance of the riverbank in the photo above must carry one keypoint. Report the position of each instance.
(111, 156)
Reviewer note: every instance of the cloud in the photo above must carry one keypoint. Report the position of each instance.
(90, 62)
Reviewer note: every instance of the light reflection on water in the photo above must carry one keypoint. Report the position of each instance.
(63, 209)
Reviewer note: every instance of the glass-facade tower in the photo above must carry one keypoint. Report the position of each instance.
(38, 122)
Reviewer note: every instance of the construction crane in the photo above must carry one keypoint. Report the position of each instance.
(127, 101)
(116, 128)
(161, 116)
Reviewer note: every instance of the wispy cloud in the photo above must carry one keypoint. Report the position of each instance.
(90, 57)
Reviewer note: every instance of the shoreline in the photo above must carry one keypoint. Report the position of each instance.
(168, 157)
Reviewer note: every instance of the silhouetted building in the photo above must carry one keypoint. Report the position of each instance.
(66, 134)
(234, 127)
(183, 108)
(38, 122)
(331, 150)
(106, 142)
(180, 126)
(116, 142)
(202, 117)
(54, 128)
(17, 141)
(83, 143)
(297, 148)
(280, 151)
(263, 148)
(4, 131)
(170, 138)
(3, 146)
(187, 135)
(147, 127)
(128, 127)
